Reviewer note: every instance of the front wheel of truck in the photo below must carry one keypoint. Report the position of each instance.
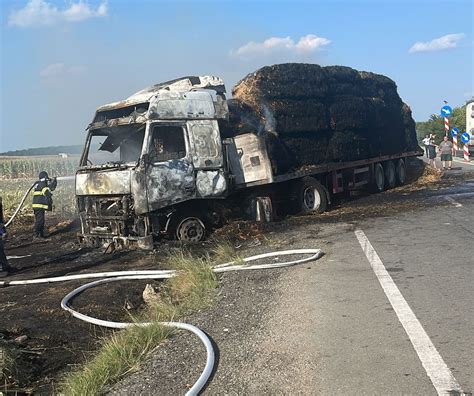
(189, 229)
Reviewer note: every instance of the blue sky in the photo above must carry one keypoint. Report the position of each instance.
(61, 59)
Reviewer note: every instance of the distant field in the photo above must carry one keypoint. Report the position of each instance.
(29, 167)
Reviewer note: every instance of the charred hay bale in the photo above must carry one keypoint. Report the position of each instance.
(243, 118)
(343, 80)
(409, 128)
(348, 112)
(299, 115)
(378, 86)
(281, 158)
(347, 146)
(283, 81)
(312, 105)
(307, 148)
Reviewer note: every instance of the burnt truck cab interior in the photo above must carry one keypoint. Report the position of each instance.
(147, 154)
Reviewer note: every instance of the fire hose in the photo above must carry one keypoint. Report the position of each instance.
(240, 265)
(19, 206)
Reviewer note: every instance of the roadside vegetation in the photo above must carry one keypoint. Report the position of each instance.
(194, 287)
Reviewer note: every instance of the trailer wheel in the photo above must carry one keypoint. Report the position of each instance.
(401, 172)
(379, 178)
(311, 196)
(190, 229)
(390, 177)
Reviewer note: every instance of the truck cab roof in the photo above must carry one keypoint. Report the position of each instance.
(182, 98)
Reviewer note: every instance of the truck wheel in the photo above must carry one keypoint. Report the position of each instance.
(401, 172)
(390, 177)
(311, 196)
(190, 229)
(379, 178)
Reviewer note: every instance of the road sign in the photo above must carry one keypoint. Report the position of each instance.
(454, 132)
(465, 137)
(446, 111)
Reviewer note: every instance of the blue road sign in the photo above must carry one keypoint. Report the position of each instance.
(465, 137)
(446, 111)
(454, 132)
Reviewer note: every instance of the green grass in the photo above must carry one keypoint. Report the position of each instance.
(120, 353)
(224, 252)
(193, 288)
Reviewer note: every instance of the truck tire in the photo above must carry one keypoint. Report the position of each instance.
(390, 174)
(401, 172)
(261, 209)
(378, 184)
(310, 196)
(189, 229)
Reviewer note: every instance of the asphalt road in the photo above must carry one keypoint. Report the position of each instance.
(361, 344)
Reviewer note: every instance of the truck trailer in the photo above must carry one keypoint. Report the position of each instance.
(156, 165)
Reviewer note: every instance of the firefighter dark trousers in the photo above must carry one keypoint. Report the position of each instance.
(3, 258)
(39, 222)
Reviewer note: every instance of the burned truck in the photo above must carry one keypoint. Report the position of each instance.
(157, 164)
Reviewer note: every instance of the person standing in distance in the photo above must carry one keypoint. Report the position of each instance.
(42, 201)
(446, 150)
(432, 152)
(426, 142)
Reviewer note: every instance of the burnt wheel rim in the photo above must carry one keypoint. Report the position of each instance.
(401, 173)
(191, 230)
(379, 175)
(311, 199)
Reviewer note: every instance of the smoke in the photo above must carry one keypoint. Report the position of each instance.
(269, 119)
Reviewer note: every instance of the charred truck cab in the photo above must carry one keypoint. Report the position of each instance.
(148, 155)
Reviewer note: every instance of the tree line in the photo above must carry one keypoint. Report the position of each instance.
(52, 150)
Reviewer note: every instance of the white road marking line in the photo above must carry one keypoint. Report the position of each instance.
(439, 373)
(451, 200)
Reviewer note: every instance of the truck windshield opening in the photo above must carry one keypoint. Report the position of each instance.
(116, 145)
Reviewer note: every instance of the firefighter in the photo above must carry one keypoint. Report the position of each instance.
(42, 201)
(4, 267)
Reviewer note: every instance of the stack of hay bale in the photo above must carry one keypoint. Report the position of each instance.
(310, 114)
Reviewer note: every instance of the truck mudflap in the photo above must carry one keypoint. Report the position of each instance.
(113, 242)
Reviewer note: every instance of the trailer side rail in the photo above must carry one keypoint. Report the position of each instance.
(329, 167)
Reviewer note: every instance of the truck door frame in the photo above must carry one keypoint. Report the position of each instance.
(169, 181)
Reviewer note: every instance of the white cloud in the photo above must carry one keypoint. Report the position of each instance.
(438, 44)
(41, 13)
(306, 44)
(60, 69)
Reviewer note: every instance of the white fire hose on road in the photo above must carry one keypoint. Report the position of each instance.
(166, 274)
